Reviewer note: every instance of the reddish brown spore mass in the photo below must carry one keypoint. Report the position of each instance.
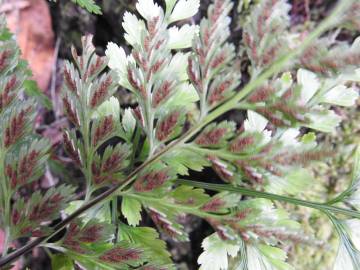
(213, 205)
(212, 137)
(165, 128)
(119, 254)
(151, 181)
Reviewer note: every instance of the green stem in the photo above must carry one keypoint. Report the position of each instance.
(6, 241)
(135, 146)
(114, 216)
(7, 222)
(114, 208)
(270, 196)
(177, 207)
(203, 98)
(215, 152)
(88, 149)
(3, 188)
(88, 192)
(6, 195)
(228, 105)
(341, 196)
(150, 124)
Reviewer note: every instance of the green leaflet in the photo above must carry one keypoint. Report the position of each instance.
(81, 236)
(177, 40)
(61, 262)
(263, 257)
(166, 220)
(216, 135)
(101, 213)
(185, 195)
(183, 9)
(147, 237)
(40, 208)
(262, 215)
(310, 85)
(184, 96)
(32, 90)
(129, 124)
(222, 202)
(341, 95)
(108, 107)
(89, 5)
(121, 256)
(294, 182)
(221, 254)
(216, 252)
(182, 160)
(131, 209)
(148, 9)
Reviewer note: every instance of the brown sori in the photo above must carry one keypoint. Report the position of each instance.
(121, 255)
(105, 127)
(166, 127)
(101, 92)
(15, 130)
(151, 180)
(212, 137)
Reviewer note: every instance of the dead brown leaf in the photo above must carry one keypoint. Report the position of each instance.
(30, 20)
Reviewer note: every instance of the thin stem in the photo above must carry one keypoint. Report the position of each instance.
(270, 196)
(88, 192)
(215, 152)
(6, 241)
(114, 216)
(89, 157)
(203, 98)
(182, 208)
(7, 222)
(203, 106)
(88, 149)
(3, 186)
(6, 203)
(341, 196)
(276, 67)
(150, 124)
(114, 206)
(135, 146)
